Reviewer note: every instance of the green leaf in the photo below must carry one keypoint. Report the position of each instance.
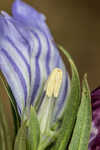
(33, 131)
(81, 132)
(47, 140)
(71, 107)
(16, 117)
(21, 138)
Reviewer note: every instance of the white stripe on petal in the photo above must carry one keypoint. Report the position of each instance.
(12, 77)
(18, 60)
(19, 42)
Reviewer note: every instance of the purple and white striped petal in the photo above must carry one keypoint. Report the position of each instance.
(94, 143)
(29, 16)
(15, 61)
(28, 55)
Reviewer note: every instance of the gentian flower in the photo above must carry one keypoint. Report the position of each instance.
(94, 143)
(28, 55)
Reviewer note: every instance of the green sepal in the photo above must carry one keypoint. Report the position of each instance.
(21, 138)
(71, 108)
(33, 130)
(16, 117)
(46, 140)
(81, 132)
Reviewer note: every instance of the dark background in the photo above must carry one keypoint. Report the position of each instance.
(76, 25)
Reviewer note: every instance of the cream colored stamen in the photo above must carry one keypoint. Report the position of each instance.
(53, 83)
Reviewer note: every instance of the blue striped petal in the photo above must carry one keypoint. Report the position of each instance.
(28, 55)
(15, 61)
(29, 16)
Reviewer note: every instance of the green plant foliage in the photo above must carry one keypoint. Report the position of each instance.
(71, 107)
(33, 131)
(21, 138)
(81, 133)
(16, 117)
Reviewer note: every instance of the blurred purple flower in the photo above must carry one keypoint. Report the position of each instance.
(28, 55)
(94, 143)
